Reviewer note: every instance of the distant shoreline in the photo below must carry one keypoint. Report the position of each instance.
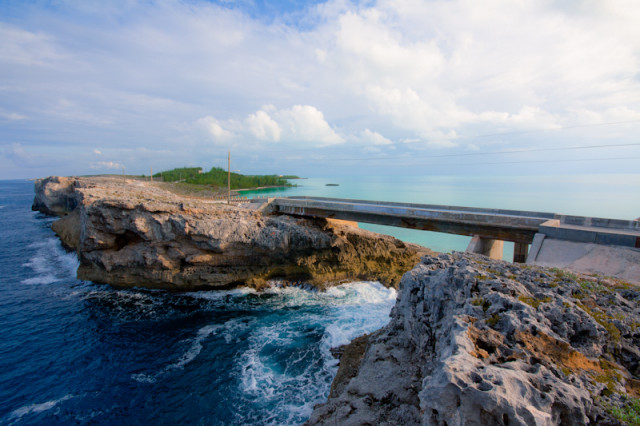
(261, 188)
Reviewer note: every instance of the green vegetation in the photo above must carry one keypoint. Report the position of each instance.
(604, 320)
(564, 275)
(609, 377)
(180, 174)
(493, 320)
(594, 287)
(479, 301)
(218, 177)
(534, 303)
(628, 413)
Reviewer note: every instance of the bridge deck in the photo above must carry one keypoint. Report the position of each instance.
(508, 225)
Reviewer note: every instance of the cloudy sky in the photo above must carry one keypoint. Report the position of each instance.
(320, 88)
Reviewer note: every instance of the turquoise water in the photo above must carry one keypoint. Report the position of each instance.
(612, 195)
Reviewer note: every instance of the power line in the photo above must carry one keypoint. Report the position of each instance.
(574, 160)
(486, 135)
(577, 126)
(470, 154)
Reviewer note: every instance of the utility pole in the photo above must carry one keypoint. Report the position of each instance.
(151, 175)
(229, 180)
(123, 178)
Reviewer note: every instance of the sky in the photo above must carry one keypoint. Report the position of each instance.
(317, 88)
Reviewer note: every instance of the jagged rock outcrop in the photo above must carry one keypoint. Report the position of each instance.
(473, 341)
(55, 195)
(135, 233)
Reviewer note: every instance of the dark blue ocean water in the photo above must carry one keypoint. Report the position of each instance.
(78, 352)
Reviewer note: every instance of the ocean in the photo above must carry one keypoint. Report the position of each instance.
(614, 196)
(73, 351)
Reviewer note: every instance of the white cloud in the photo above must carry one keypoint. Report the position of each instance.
(17, 154)
(300, 123)
(213, 128)
(30, 48)
(263, 127)
(428, 74)
(11, 116)
(306, 123)
(374, 138)
(110, 165)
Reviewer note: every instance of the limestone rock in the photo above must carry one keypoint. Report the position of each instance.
(473, 341)
(55, 195)
(135, 233)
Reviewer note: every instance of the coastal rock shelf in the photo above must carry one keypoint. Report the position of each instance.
(136, 233)
(475, 341)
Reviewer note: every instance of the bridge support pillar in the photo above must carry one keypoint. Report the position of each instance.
(520, 251)
(486, 246)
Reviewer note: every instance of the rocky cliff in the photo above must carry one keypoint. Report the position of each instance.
(475, 342)
(135, 233)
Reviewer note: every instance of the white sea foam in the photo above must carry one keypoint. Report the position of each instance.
(39, 263)
(221, 294)
(37, 408)
(195, 349)
(50, 262)
(229, 330)
(41, 279)
(346, 312)
(70, 261)
(144, 378)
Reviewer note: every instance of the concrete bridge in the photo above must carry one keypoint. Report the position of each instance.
(549, 234)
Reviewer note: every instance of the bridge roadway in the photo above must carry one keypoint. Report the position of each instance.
(505, 225)
(488, 227)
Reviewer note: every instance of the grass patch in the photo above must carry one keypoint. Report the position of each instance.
(623, 285)
(493, 320)
(479, 301)
(609, 377)
(593, 287)
(628, 413)
(564, 275)
(533, 302)
(604, 320)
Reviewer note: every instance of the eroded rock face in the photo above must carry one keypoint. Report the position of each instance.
(473, 342)
(55, 195)
(134, 233)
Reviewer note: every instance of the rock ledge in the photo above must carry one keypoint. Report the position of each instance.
(475, 341)
(135, 233)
